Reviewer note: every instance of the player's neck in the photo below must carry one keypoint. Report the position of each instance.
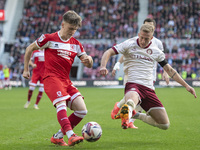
(62, 36)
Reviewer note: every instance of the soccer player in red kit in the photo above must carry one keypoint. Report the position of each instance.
(60, 51)
(37, 63)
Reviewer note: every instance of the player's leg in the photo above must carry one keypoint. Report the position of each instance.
(131, 121)
(117, 107)
(77, 104)
(56, 89)
(58, 96)
(40, 93)
(57, 138)
(6, 83)
(157, 118)
(156, 113)
(30, 93)
(132, 99)
(80, 111)
(32, 85)
(39, 96)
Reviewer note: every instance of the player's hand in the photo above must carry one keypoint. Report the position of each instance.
(191, 90)
(34, 66)
(87, 61)
(26, 74)
(116, 67)
(165, 77)
(103, 71)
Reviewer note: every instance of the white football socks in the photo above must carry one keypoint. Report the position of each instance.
(131, 106)
(69, 133)
(58, 135)
(121, 102)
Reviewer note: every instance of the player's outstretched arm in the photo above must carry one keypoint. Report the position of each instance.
(29, 50)
(104, 60)
(165, 77)
(174, 75)
(87, 60)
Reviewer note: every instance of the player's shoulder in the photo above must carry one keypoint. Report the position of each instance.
(51, 35)
(156, 40)
(74, 41)
(133, 39)
(47, 37)
(158, 43)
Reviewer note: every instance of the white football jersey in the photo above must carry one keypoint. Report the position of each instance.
(139, 63)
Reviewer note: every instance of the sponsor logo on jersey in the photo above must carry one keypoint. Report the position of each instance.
(141, 57)
(64, 53)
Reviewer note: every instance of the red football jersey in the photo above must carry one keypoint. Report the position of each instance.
(59, 54)
(38, 59)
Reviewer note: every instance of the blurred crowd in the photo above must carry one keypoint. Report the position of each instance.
(179, 19)
(112, 20)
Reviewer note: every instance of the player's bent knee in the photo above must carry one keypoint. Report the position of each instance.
(41, 89)
(32, 88)
(81, 113)
(164, 126)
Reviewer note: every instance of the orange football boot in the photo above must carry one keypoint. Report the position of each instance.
(60, 141)
(115, 111)
(74, 139)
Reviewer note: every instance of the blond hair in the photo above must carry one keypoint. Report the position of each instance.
(147, 28)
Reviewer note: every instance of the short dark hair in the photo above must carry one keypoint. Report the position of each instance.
(72, 17)
(150, 20)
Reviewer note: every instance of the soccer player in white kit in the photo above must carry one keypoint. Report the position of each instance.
(118, 105)
(140, 56)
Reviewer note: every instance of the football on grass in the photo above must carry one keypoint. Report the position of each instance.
(91, 131)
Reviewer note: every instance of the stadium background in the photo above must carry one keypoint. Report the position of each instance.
(105, 23)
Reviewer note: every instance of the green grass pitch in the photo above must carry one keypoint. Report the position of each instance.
(24, 129)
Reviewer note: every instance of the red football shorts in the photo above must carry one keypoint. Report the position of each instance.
(60, 90)
(148, 96)
(35, 78)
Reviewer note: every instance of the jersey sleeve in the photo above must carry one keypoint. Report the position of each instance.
(159, 44)
(161, 57)
(80, 50)
(43, 41)
(122, 47)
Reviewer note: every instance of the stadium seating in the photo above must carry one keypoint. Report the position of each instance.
(174, 18)
(119, 21)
